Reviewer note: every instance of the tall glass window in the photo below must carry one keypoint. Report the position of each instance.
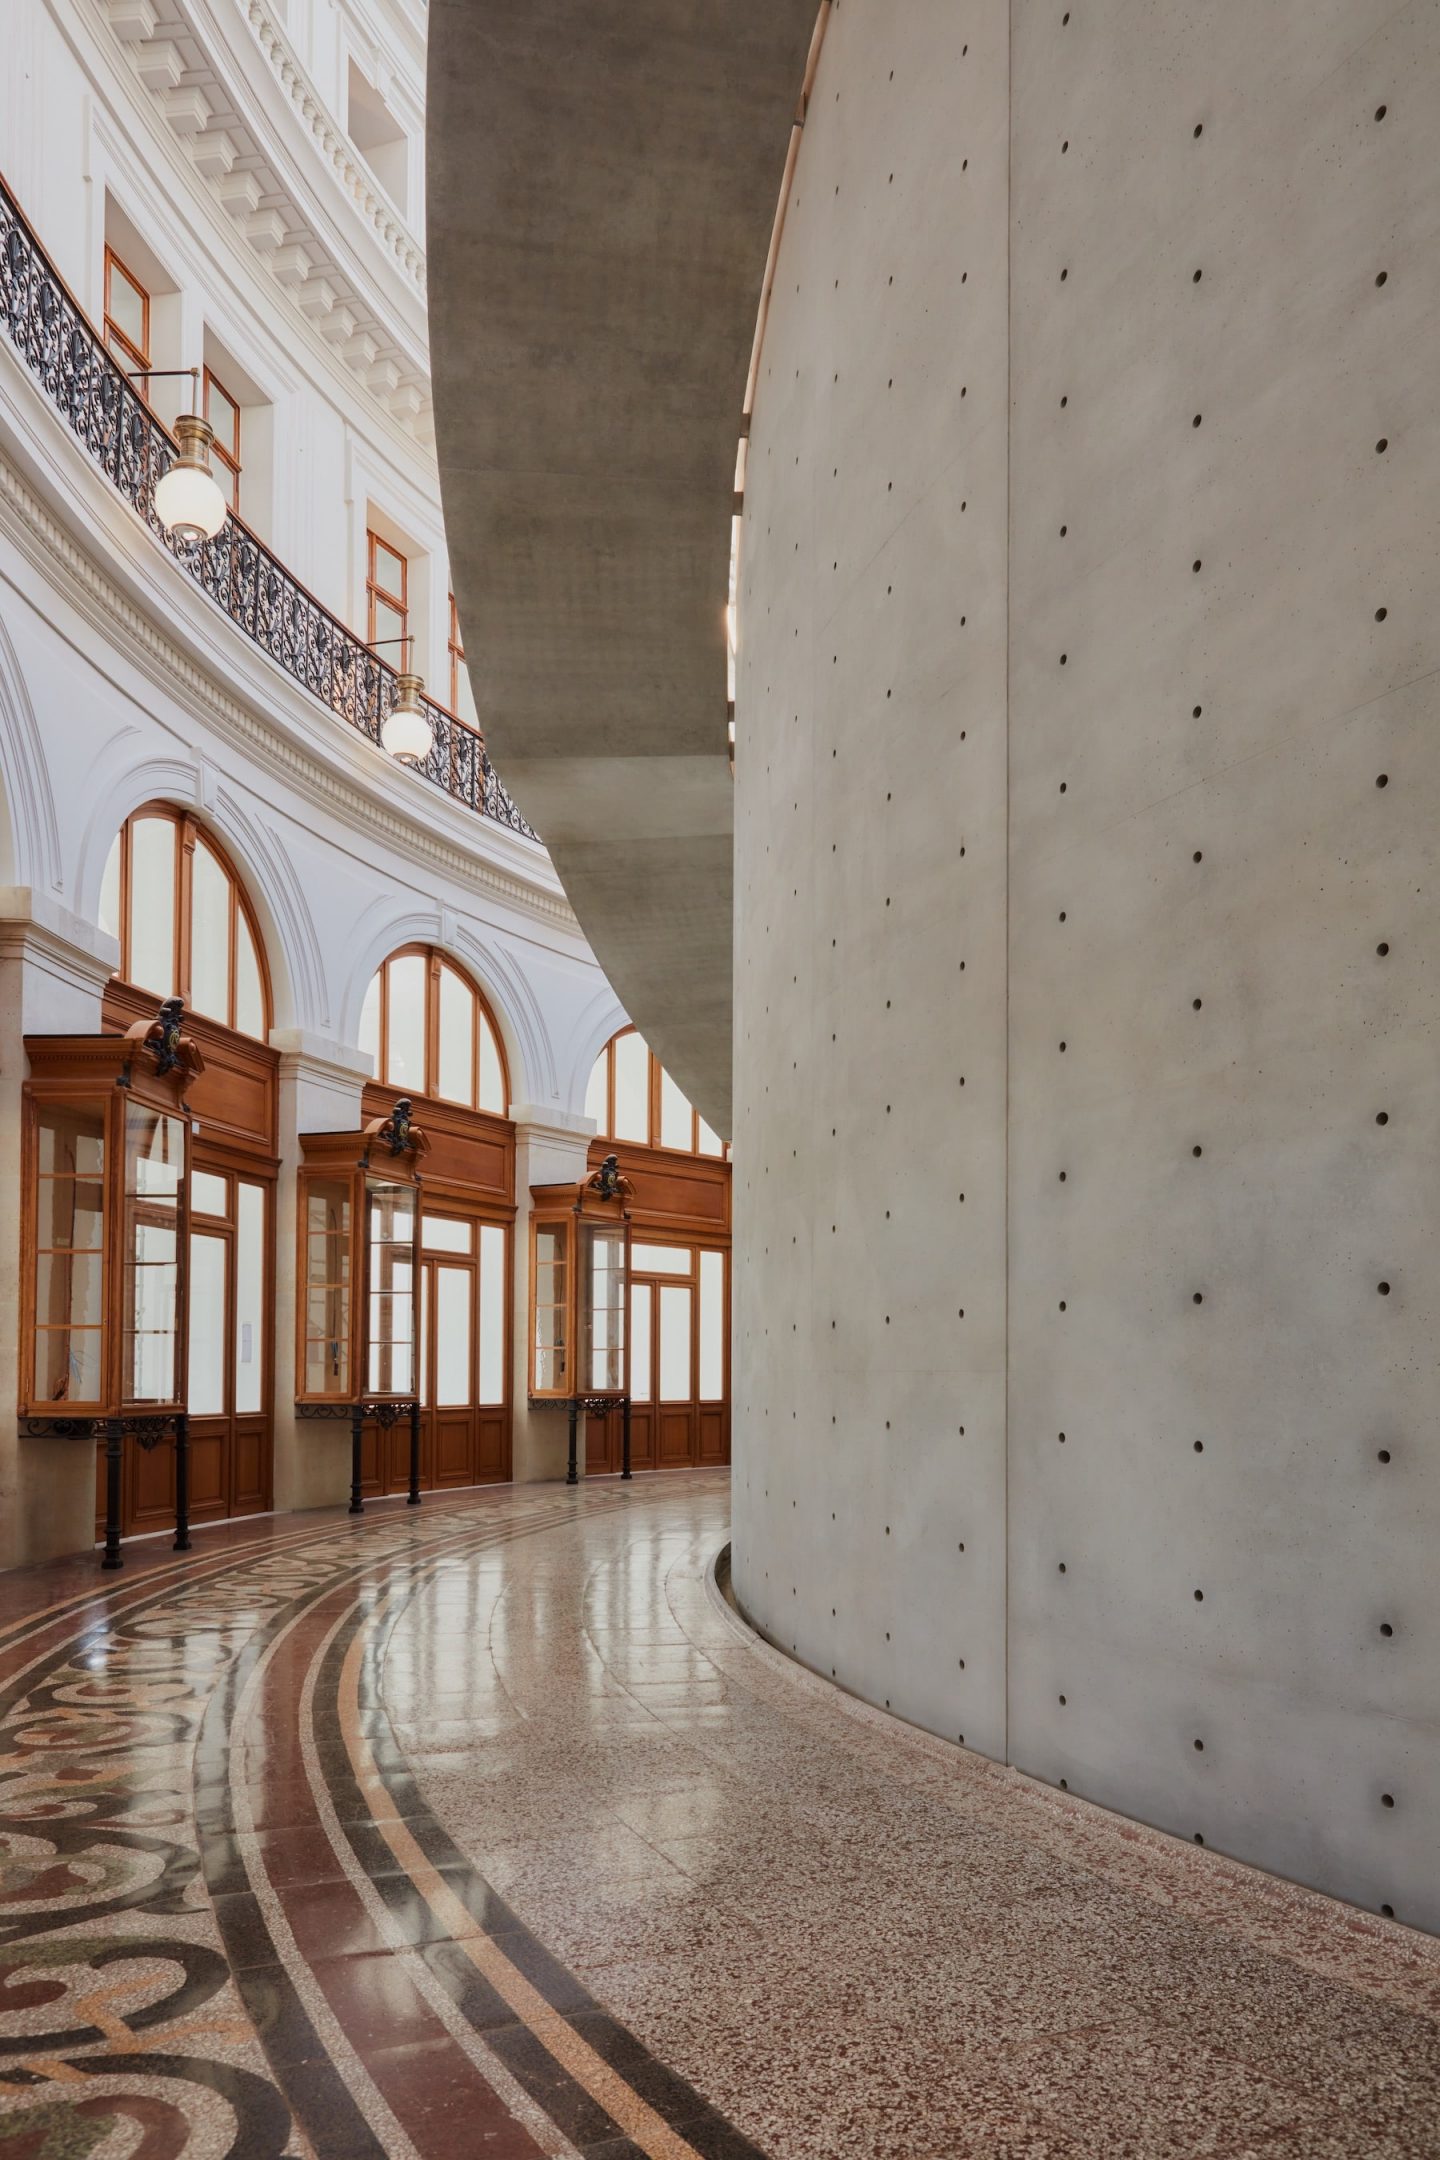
(69, 1256)
(390, 1233)
(154, 1165)
(250, 1204)
(712, 1326)
(552, 1361)
(327, 1288)
(632, 1097)
(490, 1388)
(183, 921)
(430, 1032)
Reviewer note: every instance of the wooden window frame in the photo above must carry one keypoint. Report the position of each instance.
(436, 961)
(189, 833)
(653, 1088)
(114, 335)
(456, 648)
(229, 457)
(374, 590)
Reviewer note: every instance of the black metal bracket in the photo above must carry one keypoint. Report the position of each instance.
(148, 1429)
(385, 1414)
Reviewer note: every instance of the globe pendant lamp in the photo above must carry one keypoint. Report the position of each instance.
(406, 731)
(188, 501)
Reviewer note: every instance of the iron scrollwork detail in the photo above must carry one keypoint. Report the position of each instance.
(386, 1414)
(106, 413)
(149, 1430)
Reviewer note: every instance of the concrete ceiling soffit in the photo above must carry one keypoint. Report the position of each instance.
(603, 180)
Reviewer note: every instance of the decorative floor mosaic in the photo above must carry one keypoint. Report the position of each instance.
(486, 1829)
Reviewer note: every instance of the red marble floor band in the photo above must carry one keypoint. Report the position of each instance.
(125, 1711)
(369, 1925)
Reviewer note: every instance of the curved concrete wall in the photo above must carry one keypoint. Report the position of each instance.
(1087, 793)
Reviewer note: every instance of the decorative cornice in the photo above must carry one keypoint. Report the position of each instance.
(49, 544)
(337, 148)
(185, 83)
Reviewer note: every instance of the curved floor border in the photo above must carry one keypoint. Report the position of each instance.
(1171, 1873)
(308, 1954)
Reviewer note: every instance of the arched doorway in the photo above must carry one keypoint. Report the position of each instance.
(680, 1264)
(433, 1037)
(186, 928)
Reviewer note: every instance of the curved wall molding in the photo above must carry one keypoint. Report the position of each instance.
(34, 833)
(534, 1078)
(602, 1017)
(309, 745)
(304, 1000)
(291, 946)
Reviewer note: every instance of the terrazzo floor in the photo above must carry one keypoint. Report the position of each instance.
(488, 1829)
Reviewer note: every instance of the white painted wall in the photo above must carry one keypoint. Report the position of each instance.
(1186, 806)
(120, 682)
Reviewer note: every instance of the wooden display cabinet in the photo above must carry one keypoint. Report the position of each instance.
(105, 1246)
(358, 1332)
(580, 1299)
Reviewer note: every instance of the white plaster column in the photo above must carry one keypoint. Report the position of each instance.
(53, 970)
(551, 1148)
(321, 1082)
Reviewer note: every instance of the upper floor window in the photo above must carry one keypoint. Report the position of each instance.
(429, 1031)
(185, 926)
(387, 590)
(127, 314)
(462, 702)
(632, 1097)
(223, 413)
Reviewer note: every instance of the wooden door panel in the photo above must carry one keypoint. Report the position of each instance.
(395, 1455)
(251, 1466)
(453, 1447)
(714, 1434)
(209, 1485)
(372, 1459)
(598, 1446)
(151, 1484)
(642, 1438)
(676, 1437)
(492, 1456)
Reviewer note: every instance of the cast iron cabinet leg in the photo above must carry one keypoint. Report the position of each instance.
(114, 1445)
(625, 1439)
(182, 1483)
(414, 1500)
(572, 1474)
(357, 1434)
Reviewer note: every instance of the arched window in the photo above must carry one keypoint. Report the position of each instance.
(632, 1097)
(185, 926)
(429, 1030)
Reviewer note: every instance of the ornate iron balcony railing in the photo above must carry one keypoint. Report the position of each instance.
(65, 354)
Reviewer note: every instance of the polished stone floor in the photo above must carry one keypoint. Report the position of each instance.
(486, 1829)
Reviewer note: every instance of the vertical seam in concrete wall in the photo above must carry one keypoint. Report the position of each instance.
(1009, 855)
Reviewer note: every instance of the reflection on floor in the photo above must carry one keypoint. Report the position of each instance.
(484, 1830)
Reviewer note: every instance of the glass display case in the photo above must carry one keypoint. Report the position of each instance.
(580, 1297)
(107, 1133)
(359, 1304)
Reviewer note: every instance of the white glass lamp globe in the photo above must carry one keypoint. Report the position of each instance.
(188, 501)
(406, 731)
